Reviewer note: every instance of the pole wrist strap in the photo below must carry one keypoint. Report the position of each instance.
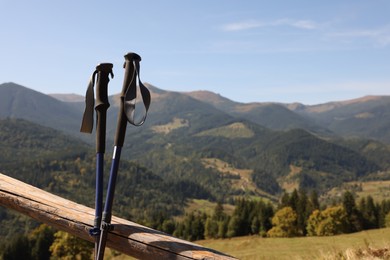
(130, 99)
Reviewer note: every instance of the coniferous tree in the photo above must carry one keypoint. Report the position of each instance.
(220, 221)
(197, 229)
(219, 213)
(371, 214)
(354, 217)
(387, 220)
(168, 226)
(384, 209)
(294, 200)
(233, 228)
(223, 227)
(302, 211)
(179, 230)
(362, 205)
(18, 248)
(284, 200)
(314, 202)
(265, 218)
(211, 228)
(187, 231)
(255, 226)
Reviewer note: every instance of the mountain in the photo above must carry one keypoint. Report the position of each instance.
(68, 97)
(183, 130)
(197, 146)
(190, 136)
(272, 115)
(367, 117)
(20, 102)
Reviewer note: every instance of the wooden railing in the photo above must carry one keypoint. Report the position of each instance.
(127, 237)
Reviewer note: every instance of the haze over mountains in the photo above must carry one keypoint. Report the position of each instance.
(367, 117)
(268, 146)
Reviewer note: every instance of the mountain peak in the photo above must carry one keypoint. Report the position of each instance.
(155, 92)
(213, 99)
(17, 101)
(15, 86)
(207, 96)
(154, 89)
(68, 97)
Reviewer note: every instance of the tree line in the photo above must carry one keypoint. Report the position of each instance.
(297, 214)
(44, 243)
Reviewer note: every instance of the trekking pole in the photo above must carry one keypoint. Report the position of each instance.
(128, 100)
(102, 71)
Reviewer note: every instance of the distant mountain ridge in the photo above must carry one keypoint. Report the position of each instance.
(20, 102)
(319, 108)
(366, 117)
(277, 148)
(68, 97)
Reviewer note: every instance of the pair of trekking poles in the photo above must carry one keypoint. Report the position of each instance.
(128, 100)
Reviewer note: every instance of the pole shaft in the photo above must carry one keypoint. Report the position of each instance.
(107, 213)
(99, 185)
(111, 184)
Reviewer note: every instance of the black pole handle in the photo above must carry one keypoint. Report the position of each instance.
(102, 72)
(128, 82)
(102, 104)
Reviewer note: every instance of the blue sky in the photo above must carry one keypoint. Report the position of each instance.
(283, 51)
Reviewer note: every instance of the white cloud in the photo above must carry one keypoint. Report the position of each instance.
(252, 24)
(240, 26)
(305, 24)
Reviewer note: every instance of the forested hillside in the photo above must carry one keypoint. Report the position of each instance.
(183, 130)
(63, 165)
(189, 148)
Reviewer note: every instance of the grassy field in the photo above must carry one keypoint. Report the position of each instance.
(206, 206)
(378, 190)
(301, 247)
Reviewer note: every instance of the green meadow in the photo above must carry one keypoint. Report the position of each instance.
(331, 247)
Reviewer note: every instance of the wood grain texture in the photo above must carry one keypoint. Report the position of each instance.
(127, 237)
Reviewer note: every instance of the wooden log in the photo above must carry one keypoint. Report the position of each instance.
(127, 237)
